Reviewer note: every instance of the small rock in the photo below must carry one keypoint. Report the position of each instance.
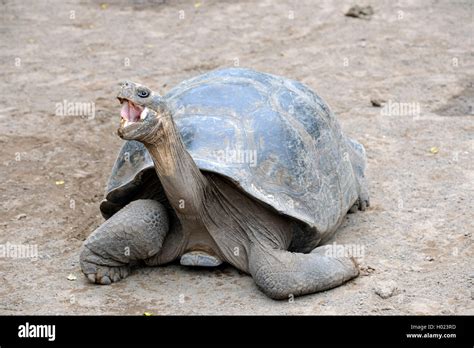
(388, 308)
(424, 307)
(366, 270)
(20, 216)
(429, 258)
(386, 289)
(80, 174)
(363, 12)
(71, 277)
(377, 102)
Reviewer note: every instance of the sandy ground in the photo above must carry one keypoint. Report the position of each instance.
(417, 235)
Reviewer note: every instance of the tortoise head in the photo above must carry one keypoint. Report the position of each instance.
(141, 114)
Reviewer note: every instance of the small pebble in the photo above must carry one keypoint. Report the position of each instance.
(377, 102)
(20, 216)
(71, 277)
(390, 308)
(363, 12)
(385, 289)
(366, 270)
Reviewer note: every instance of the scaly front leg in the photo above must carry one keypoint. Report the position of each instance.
(134, 233)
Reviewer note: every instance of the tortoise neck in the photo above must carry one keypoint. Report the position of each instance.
(183, 182)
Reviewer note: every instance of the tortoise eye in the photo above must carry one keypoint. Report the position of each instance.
(143, 92)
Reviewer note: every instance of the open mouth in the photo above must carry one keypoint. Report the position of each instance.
(131, 113)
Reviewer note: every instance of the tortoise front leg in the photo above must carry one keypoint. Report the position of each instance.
(134, 233)
(281, 274)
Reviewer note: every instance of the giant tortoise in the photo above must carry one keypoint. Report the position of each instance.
(233, 166)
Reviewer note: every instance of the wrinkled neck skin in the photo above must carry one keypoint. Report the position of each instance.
(182, 180)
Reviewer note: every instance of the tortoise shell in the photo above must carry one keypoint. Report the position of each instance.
(272, 137)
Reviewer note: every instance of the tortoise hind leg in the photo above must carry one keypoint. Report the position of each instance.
(281, 274)
(134, 233)
(358, 160)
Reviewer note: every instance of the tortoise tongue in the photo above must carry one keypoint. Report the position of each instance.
(130, 112)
